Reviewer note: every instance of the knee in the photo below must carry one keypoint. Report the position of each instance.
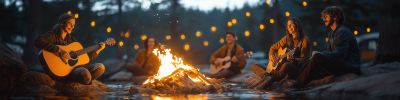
(84, 75)
(317, 56)
(287, 65)
(99, 68)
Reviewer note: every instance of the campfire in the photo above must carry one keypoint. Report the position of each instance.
(174, 75)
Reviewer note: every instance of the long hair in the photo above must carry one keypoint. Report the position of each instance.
(298, 28)
(335, 12)
(145, 45)
(63, 18)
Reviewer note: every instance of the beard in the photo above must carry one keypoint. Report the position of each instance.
(330, 23)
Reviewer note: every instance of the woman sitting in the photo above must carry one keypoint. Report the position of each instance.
(146, 62)
(295, 38)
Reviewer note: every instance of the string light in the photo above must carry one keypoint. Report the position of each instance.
(186, 47)
(271, 21)
(247, 33)
(262, 26)
(121, 43)
(108, 29)
(168, 37)
(205, 43)
(287, 14)
(127, 34)
(326, 39)
(315, 43)
(93, 23)
(355, 32)
(368, 29)
(248, 14)
(267, 2)
(76, 15)
(198, 33)
(234, 21)
(229, 24)
(213, 29)
(69, 12)
(136, 46)
(143, 37)
(221, 40)
(304, 3)
(182, 37)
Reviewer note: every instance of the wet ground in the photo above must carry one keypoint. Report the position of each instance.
(121, 94)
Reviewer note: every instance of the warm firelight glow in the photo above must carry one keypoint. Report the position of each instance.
(198, 33)
(69, 12)
(229, 24)
(136, 46)
(315, 43)
(271, 21)
(262, 26)
(287, 14)
(168, 37)
(205, 43)
(368, 29)
(304, 3)
(213, 29)
(182, 37)
(248, 14)
(143, 37)
(108, 29)
(247, 33)
(93, 23)
(169, 64)
(76, 15)
(267, 2)
(121, 43)
(234, 21)
(186, 47)
(355, 32)
(221, 40)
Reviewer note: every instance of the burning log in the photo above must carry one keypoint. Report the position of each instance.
(173, 75)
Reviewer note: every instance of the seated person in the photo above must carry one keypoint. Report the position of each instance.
(343, 54)
(295, 38)
(146, 62)
(61, 35)
(231, 49)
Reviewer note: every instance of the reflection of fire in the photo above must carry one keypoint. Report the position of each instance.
(173, 74)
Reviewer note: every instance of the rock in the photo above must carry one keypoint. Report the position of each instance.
(122, 75)
(36, 89)
(367, 71)
(383, 85)
(11, 68)
(285, 84)
(33, 78)
(74, 87)
(240, 78)
(111, 67)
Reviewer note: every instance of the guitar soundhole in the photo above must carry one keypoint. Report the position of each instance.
(72, 62)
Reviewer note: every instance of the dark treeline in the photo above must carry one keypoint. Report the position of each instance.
(155, 22)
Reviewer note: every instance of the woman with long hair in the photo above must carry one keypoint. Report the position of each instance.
(295, 38)
(145, 62)
(61, 35)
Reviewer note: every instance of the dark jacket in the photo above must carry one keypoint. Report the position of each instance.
(342, 46)
(221, 53)
(50, 40)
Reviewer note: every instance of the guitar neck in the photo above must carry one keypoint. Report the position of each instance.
(240, 56)
(89, 49)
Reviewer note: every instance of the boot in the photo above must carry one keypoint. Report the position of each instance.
(267, 84)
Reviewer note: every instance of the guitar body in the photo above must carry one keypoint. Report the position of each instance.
(274, 66)
(56, 64)
(224, 64)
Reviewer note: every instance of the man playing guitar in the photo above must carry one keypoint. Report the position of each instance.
(233, 50)
(60, 35)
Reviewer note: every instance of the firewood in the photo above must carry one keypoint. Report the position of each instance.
(187, 82)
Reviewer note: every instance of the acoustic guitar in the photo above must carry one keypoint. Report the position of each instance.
(276, 64)
(61, 66)
(226, 62)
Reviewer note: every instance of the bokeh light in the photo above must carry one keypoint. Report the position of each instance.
(271, 21)
(247, 33)
(198, 33)
(213, 29)
(93, 23)
(143, 37)
(234, 21)
(221, 40)
(136, 46)
(262, 26)
(205, 43)
(108, 29)
(186, 47)
(248, 14)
